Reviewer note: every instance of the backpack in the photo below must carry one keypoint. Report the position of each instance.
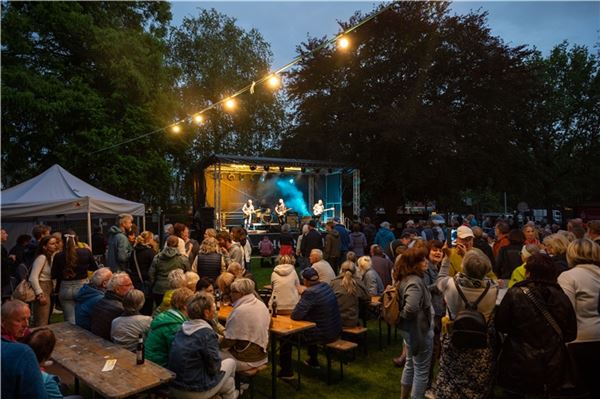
(391, 305)
(469, 328)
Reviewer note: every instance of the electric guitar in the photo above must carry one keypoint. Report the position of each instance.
(281, 213)
(248, 212)
(319, 213)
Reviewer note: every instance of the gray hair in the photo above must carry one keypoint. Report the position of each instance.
(200, 302)
(133, 301)
(100, 276)
(10, 307)
(244, 286)
(285, 228)
(124, 217)
(317, 252)
(115, 280)
(177, 279)
(476, 264)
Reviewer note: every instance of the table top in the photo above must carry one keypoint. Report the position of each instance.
(280, 325)
(85, 354)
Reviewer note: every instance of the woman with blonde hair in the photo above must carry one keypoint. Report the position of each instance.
(285, 283)
(209, 262)
(350, 293)
(556, 246)
(144, 251)
(369, 276)
(191, 279)
(41, 280)
(223, 283)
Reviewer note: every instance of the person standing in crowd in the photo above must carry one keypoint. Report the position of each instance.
(209, 262)
(126, 329)
(167, 260)
(194, 356)
(38, 232)
(333, 245)
(70, 269)
(265, 248)
(502, 229)
(41, 281)
(369, 276)
(178, 229)
(286, 241)
(382, 265)
(119, 248)
(384, 235)
(165, 325)
(191, 246)
(416, 326)
(8, 268)
(358, 241)
(89, 295)
(533, 359)
(322, 267)
(99, 244)
(350, 293)
(370, 230)
(556, 246)
(247, 328)
(593, 231)
(311, 240)
(111, 305)
(530, 234)
(520, 274)
(246, 248)
(481, 243)
(285, 283)
(344, 237)
(142, 255)
(236, 252)
(319, 305)
(466, 372)
(509, 257)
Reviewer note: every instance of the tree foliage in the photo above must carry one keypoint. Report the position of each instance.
(430, 104)
(78, 77)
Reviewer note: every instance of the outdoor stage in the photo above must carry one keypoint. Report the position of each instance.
(223, 183)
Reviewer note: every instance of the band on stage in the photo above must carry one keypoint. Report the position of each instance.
(281, 211)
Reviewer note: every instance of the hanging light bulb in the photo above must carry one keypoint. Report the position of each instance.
(176, 129)
(343, 43)
(198, 119)
(274, 81)
(230, 104)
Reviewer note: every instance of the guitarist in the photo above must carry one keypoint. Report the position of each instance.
(318, 211)
(281, 210)
(248, 210)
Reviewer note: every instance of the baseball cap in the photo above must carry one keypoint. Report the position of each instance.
(310, 274)
(464, 232)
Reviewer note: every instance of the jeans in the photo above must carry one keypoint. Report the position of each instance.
(68, 290)
(225, 387)
(416, 371)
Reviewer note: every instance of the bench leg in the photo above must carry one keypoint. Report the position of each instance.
(328, 353)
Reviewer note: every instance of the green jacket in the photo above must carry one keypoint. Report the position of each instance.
(517, 275)
(167, 260)
(162, 331)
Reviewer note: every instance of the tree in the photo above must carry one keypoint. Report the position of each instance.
(425, 104)
(214, 58)
(78, 77)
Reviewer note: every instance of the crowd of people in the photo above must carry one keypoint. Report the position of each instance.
(524, 295)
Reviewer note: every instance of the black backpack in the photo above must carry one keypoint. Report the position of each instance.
(470, 329)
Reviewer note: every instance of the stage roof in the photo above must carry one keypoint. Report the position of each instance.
(260, 162)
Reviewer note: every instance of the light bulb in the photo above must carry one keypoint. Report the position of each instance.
(176, 129)
(198, 119)
(343, 43)
(274, 81)
(230, 104)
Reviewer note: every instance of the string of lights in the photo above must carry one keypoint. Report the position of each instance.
(272, 79)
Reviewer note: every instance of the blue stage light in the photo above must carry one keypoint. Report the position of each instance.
(291, 181)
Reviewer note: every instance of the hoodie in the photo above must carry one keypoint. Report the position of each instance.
(85, 300)
(162, 330)
(195, 358)
(119, 249)
(284, 280)
(333, 245)
(167, 260)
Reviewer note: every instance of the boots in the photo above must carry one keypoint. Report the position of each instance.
(405, 392)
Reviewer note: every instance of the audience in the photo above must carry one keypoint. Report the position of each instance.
(167, 260)
(285, 285)
(247, 328)
(111, 305)
(176, 280)
(41, 281)
(89, 295)
(15, 320)
(209, 262)
(520, 274)
(23, 379)
(142, 255)
(126, 329)
(350, 293)
(556, 246)
(381, 264)
(191, 279)
(321, 266)
(509, 256)
(369, 276)
(164, 326)
(194, 356)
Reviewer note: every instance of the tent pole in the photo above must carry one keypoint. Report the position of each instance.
(89, 229)
(144, 223)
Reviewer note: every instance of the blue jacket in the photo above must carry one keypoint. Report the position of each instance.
(384, 237)
(195, 357)
(119, 249)
(319, 305)
(23, 378)
(344, 236)
(85, 300)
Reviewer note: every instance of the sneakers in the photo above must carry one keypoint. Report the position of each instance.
(244, 386)
(312, 365)
(285, 375)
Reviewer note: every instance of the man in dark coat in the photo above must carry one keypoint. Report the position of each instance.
(312, 240)
(319, 305)
(111, 306)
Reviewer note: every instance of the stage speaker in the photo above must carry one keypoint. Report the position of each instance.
(205, 217)
(292, 220)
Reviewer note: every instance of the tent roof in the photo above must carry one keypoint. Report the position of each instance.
(57, 192)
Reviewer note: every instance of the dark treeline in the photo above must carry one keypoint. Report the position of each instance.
(427, 104)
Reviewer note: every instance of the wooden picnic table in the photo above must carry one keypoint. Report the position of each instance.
(84, 355)
(281, 326)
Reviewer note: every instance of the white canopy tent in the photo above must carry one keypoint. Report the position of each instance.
(57, 192)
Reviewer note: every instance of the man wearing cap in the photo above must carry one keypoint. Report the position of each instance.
(319, 305)
(312, 239)
(384, 235)
(464, 243)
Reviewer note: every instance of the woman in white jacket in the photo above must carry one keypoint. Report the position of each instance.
(285, 282)
(41, 280)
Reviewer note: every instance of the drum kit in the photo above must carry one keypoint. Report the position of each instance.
(264, 216)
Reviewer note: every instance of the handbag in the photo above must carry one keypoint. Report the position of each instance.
(570, 387)
(24, 290)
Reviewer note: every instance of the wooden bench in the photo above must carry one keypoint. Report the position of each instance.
(248, 375)
(340, 347)
(357, 333)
